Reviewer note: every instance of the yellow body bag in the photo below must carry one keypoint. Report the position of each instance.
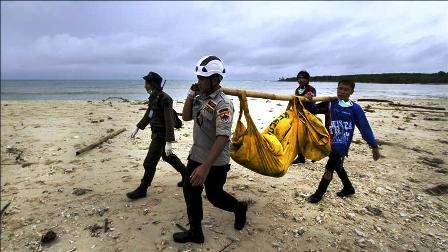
(271, 152)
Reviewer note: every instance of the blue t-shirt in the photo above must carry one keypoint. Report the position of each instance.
(341, 122)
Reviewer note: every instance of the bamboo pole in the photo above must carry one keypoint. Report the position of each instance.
(256, 94)
(100, 141)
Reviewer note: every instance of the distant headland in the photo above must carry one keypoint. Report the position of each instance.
(392, 78)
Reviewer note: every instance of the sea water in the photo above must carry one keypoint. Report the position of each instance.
(178, 89)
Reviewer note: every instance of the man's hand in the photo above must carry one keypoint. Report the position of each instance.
(193, 89)
(199, 175)
(168, 149)
(376, 153)
(134, 132)
(309, 95)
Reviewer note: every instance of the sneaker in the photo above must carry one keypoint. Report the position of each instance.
(136, 194)
(240, 215)
(345, 192)
(189, 236)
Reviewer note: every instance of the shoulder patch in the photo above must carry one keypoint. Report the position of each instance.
(224, 115)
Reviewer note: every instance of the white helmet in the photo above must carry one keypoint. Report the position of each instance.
(209, 65)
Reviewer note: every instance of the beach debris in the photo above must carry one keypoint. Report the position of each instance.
(359, 233)
(106, 225)
(298, 232)
(80, 191)
(48, 237)
(179, 226)
(102, 211)
(4, 208)
(435, 163)
(437, 190)
(415, 106)
(100, 141)
(161, 245)
(27, 164)
(115, 97)
(374, 210)
(94, 229)
(17, 152)
(374, 100)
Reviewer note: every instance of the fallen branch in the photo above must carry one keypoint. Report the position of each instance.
(415, 106)
(100, 141)
(412, 110)
(181, 227)
(256, 94)
(374, 100)
(226, 246)
(114, 97)
(4, 208)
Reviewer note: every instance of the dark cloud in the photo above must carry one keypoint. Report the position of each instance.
(262, 40)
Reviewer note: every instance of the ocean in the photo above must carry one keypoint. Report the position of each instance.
(133, 89)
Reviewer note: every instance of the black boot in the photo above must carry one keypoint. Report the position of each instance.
(345, 192)
(348, 189)
(317, 196)
(299, 160)
(240, 215)
(193, 235)
(138, 193)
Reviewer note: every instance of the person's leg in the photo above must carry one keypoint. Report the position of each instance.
(219, 198)
(347, 188)
(193, 201)
(175, 162)
(300, 159)
(333, 161)
(150, 163)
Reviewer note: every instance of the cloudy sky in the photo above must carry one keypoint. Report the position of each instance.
(256, 40)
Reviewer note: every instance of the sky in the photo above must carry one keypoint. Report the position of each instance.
(255, 40)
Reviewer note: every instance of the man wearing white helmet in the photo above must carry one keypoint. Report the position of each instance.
(208, 162)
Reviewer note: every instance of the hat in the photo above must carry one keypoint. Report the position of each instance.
(155, 79)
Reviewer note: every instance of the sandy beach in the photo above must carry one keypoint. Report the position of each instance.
(395, 208)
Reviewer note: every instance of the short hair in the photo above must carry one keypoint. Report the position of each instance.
(348, 83)
(303, 73)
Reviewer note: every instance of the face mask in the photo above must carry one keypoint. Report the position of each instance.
(301, 90)
(345, 104)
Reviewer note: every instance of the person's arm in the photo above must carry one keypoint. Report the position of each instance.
(322, 107)
(145, 120)
(366, 131)
(223, 132)
(187, 110)
(169, 120)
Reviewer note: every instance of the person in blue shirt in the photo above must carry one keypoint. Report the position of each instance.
(308, 91)
(341, 117)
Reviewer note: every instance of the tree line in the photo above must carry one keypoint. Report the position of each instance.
(399, 78)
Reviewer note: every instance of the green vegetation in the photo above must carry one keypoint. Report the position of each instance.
(399, 78)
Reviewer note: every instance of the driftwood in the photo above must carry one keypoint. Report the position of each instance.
(100, 141)
(411, 110)
(256, 94)
(114, 97)
(415, 106)
(374, 100)
(4, 208)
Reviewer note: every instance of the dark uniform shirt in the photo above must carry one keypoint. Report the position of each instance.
(301, 91)
(213, 115)
(160, 116)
